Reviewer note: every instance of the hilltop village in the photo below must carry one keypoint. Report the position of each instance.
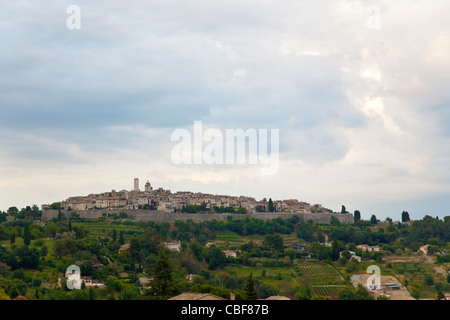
(207, 247)
(182, 201)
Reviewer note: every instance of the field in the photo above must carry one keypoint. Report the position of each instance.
(323, 279)
(234, 239)
(412, 268)
(105, 229)
(229, 237)
(319, 271)
(19, 243)
(327, 290)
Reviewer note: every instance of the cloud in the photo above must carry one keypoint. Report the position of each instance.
(362, 112)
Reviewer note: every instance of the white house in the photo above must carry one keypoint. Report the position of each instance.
(173, 245)
(367, 248)
(230, 253)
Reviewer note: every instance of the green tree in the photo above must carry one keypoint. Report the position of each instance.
(249, 289)
(305, 231)
(13, 237)
(347, 294)
(60, 214)
(135, 249)
(12, 211)
(92, 293)
(26, 234)
(123, 215)
(130, 292)
(335, 251)
(13, 291)
(273, 242)
(37, 294)
(28, 257)
(440, 295)
(55, 205)
(270, 205)
(266, 290)
(163, 284)
(357, 216)
(362, 293)
(291, 253)
(114, 235)
(335, 221)
(373, 220)
(428, 280)
(405, 216)
(44, 251)
(346, 254)
(216, 258)
(121, 239)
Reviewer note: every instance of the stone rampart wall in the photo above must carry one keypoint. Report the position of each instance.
(161, 216)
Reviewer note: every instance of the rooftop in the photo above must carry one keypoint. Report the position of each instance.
(196, 296)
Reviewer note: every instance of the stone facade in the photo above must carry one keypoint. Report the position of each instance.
(172, 205)
(169, 202)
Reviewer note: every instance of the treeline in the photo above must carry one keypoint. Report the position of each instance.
(249, 226)
(429, 230)
(10, 230)
(206, 230)
(201, 208)
(29, 213)
(33, 268)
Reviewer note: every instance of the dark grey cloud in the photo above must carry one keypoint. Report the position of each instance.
(370, 102)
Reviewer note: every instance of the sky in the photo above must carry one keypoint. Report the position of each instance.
(358, 91)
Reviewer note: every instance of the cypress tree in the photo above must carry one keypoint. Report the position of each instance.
(91, 293)
(250, 292)
(335, 251)
(26, 234)
(373, 220)
(357, 216)
(405, 216)
(271, 208)
(121, 239)
(60, 214)
(163, 284)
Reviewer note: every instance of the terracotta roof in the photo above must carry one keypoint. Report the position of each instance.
(277, 298)
(196, 296)
(125, 246)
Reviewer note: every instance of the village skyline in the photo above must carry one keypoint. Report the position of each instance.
(167, 201)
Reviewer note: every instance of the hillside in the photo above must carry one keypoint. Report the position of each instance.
(119, 258)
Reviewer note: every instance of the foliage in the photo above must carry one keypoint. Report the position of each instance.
(270, 206)
(194, 208)
(360, 293)
(357, 216)
(33, 256)
(250, 291)
(273, 242)
(163, 284)
(405, 216)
